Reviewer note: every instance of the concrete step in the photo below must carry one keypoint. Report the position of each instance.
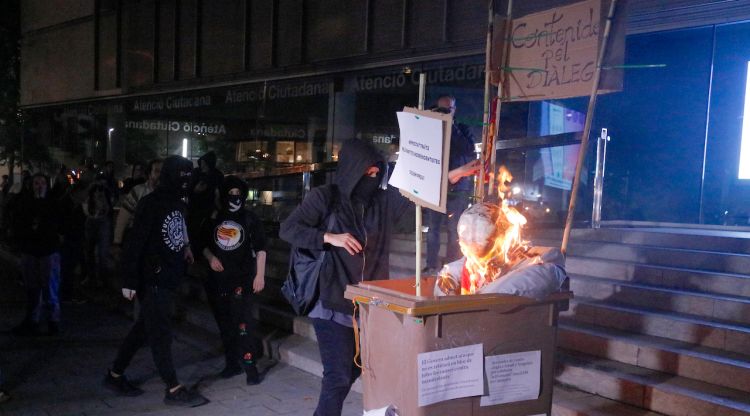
(710, 365)
(649, 389)
(666, 276)
(715, 261)
(687, 328)
(696, 239)
(710, 305)
(303, 353)
(567, 401)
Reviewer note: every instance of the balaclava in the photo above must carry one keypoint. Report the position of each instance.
(365, 189)
(175, 174)
(233, 203)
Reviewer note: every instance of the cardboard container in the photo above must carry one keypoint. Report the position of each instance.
(396, 326)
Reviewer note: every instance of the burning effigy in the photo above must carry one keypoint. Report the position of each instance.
(496, 257)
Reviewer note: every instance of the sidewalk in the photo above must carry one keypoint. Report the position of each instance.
(62, 375)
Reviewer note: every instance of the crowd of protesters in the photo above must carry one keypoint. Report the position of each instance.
(64, 229)
(168, 213)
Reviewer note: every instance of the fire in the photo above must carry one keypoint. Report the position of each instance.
(505, 247)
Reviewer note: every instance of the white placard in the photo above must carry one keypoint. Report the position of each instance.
(419, 167)
(512, 377)
(450, 374)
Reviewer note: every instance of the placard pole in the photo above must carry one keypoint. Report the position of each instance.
(418, 211)
(479, 185)
(587, 127)
(507, 30)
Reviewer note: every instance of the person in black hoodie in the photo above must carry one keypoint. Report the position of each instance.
(362, 209)
(204, 184)
(154, 264)
(234, 245)
(36, 234)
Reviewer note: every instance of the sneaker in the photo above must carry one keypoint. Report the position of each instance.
(4, 397)
(184, 397)
(253, 378)
(230, 371)
(121, 385)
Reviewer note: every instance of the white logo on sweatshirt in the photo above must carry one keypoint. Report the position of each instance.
(229, 235)
(173, 231)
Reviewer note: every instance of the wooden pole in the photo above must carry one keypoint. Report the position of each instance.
(507, 30)
(587, 127)
(418, 211)
(479, 188)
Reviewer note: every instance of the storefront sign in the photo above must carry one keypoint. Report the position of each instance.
(441, 75)
(278, 132)
(171, 103)
(553, 53)
(512, 377)
(450, 374)
(275, 91)
(177, 126)
(422, 168)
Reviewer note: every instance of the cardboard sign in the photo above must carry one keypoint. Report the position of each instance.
(552, 54)
(450, 374)
(421, 172)
(512, 377)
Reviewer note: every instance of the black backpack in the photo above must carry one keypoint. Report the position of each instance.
(301, 285)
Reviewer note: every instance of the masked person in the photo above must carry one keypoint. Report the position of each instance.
(352, 220)
(36, 228)
(234, 245)
(154, 266)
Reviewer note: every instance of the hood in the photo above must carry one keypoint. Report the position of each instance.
(173, 173)
(209, 159)
(355, 157)
(230, 182)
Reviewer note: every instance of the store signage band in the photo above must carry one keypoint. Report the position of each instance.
(177, 126)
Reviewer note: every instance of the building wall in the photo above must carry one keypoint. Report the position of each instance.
(75, 49)
(110, 47)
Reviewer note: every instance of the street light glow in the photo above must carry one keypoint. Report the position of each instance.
(184, 147)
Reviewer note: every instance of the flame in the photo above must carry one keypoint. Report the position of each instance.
(507, 247)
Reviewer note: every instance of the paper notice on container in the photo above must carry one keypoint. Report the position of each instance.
(419, 169)
(512, 377)
(450, 374)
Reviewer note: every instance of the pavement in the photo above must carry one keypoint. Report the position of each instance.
(62, 375)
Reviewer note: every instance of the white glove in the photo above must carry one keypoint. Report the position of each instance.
(128, 294)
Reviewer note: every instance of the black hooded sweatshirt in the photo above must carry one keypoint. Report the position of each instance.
(235, 238)
(370, 223)
(155, 253)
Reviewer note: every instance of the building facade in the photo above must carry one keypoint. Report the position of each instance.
(275, 86)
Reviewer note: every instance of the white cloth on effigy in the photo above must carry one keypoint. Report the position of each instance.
(536, 277)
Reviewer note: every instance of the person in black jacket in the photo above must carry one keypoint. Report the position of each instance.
(358, 244)
(204, 185)
(36, 234)
(462, 164)
(154, 264)
(234, 245)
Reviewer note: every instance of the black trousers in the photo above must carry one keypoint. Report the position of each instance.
(233, 313)
(336, 345)
(155, 328)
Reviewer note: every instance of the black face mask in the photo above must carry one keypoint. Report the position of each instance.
(234, 203)
(365, 189)
(184, 182)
